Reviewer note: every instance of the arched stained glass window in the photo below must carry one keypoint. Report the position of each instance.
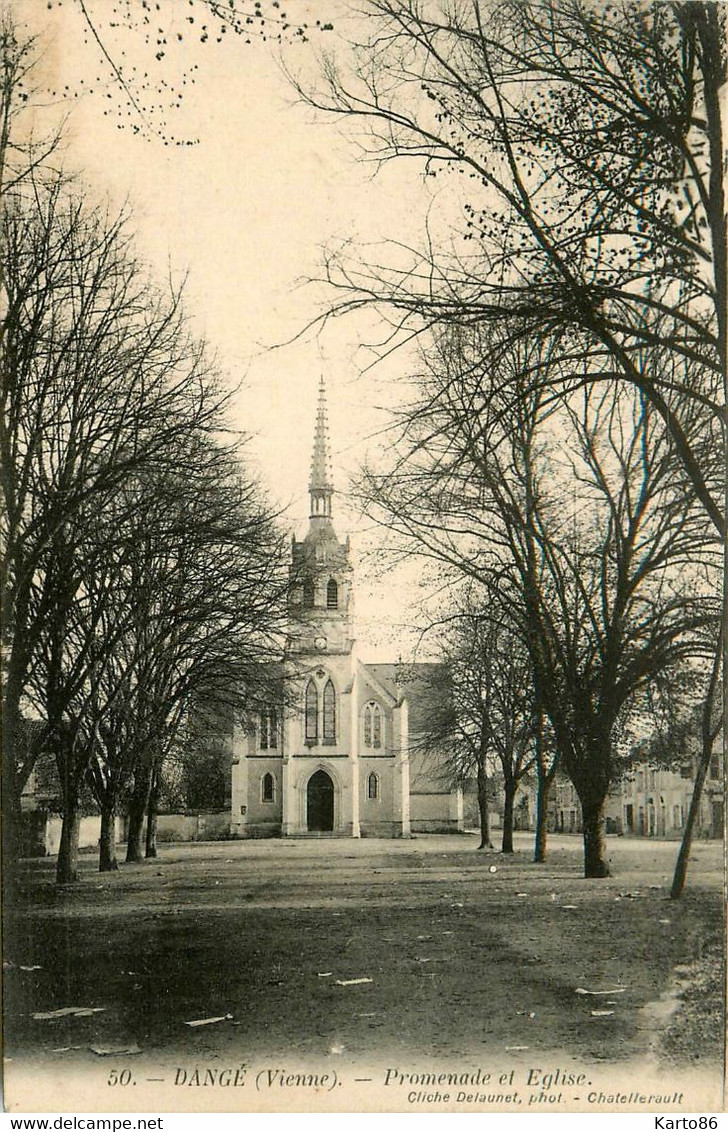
(311, 710)
(376, 727)
(329, 711)
(268, 788)
(372, 726)
(332, 594)
(372, 787)
(268, 728)
(309, 593)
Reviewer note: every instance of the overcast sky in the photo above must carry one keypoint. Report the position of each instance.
(245, 213)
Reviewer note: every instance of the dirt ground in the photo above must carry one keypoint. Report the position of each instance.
(466, 953)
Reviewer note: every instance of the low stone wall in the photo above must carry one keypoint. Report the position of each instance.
(194, 827)
(381, 829)
(88, 834)
(42, 836)
(435, 825)
(257, 831)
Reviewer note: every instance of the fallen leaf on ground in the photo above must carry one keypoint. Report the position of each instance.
(612, 990)
(110, 1051)
(65, 1011)
(209, 1021)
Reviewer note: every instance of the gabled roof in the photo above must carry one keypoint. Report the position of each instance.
(413, 682)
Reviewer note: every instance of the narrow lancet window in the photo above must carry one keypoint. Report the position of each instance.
(329, 711)
(268, 788)
(311, 711)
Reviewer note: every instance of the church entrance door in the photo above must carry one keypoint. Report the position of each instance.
(320, 803)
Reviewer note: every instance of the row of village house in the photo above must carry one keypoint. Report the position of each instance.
(646, 802)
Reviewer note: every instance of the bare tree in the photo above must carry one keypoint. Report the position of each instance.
(456, 728)
(588, 143)
(601, 582)
(493, 693)
(100, 378)
(147, 98)
(210, 593)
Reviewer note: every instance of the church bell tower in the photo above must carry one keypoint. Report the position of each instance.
(321, 601)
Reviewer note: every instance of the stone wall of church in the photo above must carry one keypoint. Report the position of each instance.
(377, 814)
(257, 788)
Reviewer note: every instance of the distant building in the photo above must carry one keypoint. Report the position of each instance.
(648, 801)
(335, 757)
(654, 802)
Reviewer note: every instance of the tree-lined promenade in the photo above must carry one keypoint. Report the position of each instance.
(142, 568)
(558, 455)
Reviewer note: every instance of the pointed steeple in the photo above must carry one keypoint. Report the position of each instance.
(321, 487)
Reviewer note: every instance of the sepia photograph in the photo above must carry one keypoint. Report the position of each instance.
(363, 534)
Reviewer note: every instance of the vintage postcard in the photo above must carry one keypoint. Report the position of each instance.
(363, 524)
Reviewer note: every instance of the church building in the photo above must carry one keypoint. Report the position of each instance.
(339, 756)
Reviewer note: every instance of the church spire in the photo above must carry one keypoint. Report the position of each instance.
(320, 486)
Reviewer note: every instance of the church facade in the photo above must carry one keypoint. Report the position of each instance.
(339, 756)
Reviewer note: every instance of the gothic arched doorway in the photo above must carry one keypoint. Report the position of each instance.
(320, 803)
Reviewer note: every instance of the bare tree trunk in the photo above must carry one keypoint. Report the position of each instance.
(151, 845)
(137, 812)
(11, 800)
(66, 761)
(709, 733)
(107, 841)
(67, 864)
(485, 841)
(542, 808)
(595, 860)
(510, 797)
(545, 775)
(681, 865)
